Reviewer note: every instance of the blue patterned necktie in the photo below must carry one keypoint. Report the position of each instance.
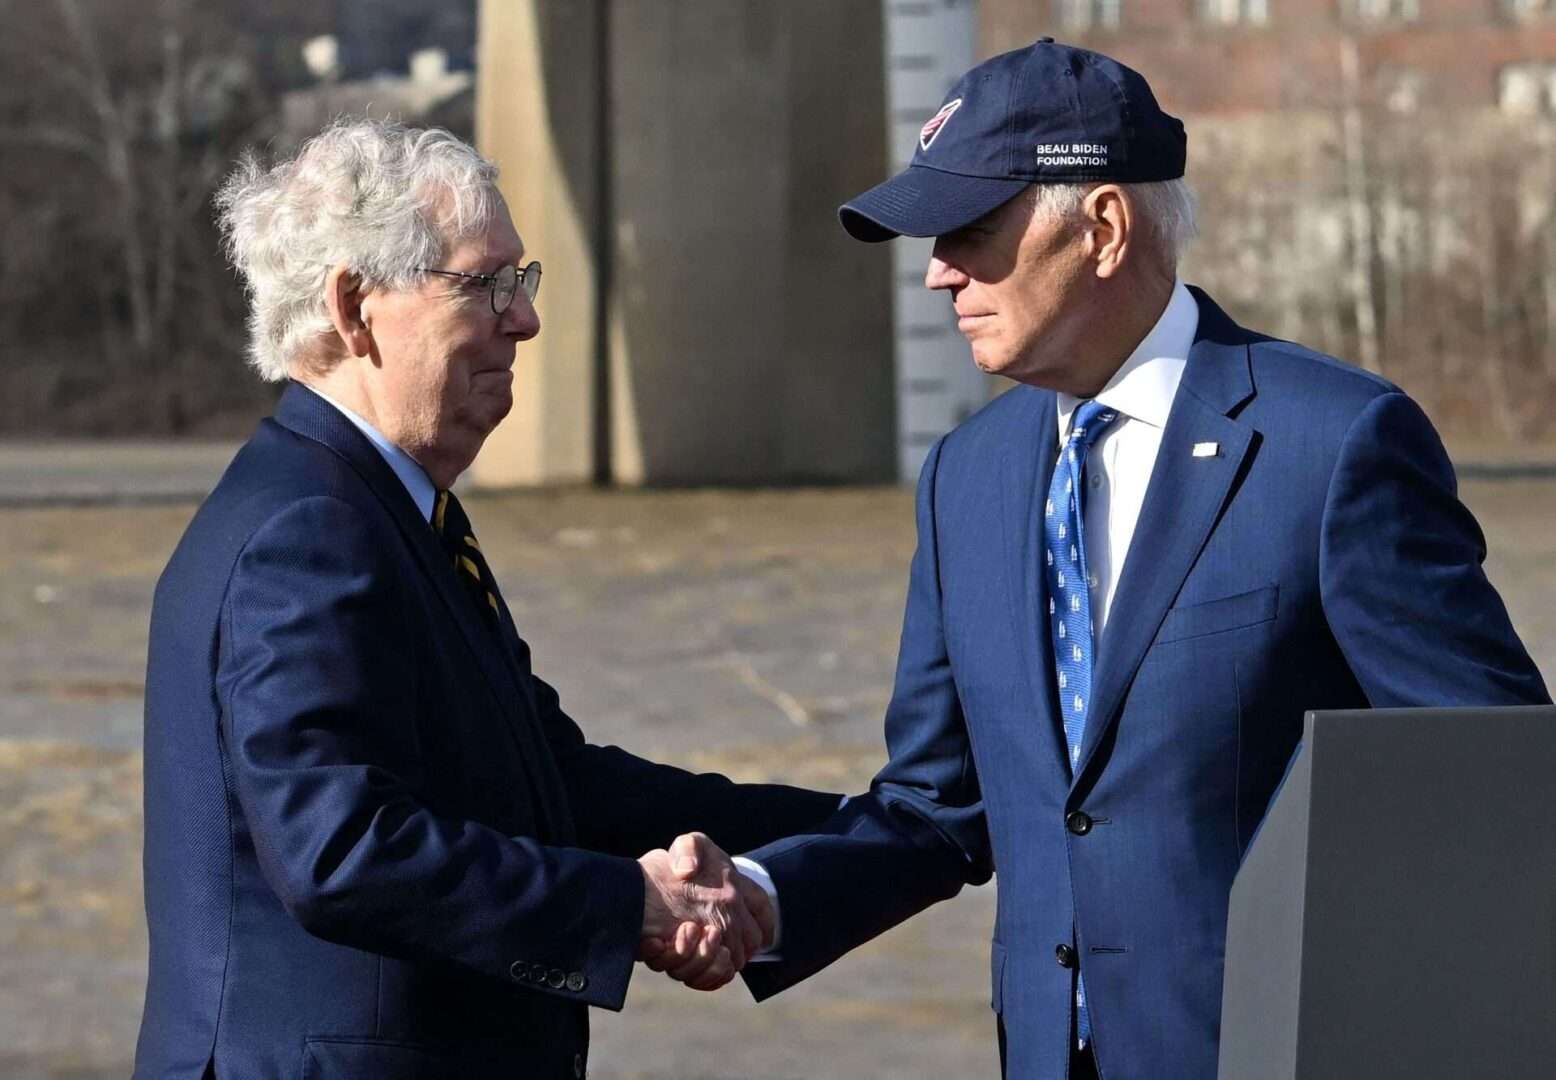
(1069, 600)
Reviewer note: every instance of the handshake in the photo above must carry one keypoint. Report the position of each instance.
(703, 920)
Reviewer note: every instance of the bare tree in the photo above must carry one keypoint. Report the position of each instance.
(120, 118)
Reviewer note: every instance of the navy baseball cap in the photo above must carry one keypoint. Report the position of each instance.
(1046, 114)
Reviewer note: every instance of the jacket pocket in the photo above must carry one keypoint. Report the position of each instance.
(349, 1057)
(1216, 616)
(997, 976)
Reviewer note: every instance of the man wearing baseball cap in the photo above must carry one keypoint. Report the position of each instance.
(1136, 571)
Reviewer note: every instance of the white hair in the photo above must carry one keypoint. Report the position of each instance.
(377, 196)
(1166, 206)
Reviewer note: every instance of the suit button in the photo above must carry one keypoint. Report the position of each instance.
(518, 970)
(1065, 955)
(1078, 822)
(537, 974)
(576, 981)
(556, 978)
(578, 1069)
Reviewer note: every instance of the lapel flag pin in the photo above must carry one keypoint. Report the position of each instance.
(1206, 449)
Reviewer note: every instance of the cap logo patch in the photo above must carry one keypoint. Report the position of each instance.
(927, 133)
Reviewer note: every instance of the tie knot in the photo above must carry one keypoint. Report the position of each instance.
(1090, 418)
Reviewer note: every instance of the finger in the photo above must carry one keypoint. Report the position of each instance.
(744, 936)
(710, 952)
(702, 958)
(686, 937)
(693, 946)
(718, 973)
(686, 855)
(712, 941)
(691, 971)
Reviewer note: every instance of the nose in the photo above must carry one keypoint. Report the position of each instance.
(941, 274)
(521, 320)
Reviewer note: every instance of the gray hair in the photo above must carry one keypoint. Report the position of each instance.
(375, 195)
(1166, 206)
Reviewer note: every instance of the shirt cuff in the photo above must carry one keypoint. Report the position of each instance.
(758, 873)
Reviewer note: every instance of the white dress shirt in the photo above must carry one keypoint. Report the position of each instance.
(1118, 468)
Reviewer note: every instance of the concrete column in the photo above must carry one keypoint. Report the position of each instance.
(537, 101)
(750, 339)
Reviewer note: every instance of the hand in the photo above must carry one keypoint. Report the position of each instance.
(702, 920)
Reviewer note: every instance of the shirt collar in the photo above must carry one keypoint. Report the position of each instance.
(1145, 384)
(415, 479)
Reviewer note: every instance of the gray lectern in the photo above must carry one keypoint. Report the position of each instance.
(1395, 916)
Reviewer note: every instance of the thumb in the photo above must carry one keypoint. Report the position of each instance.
(686, 855)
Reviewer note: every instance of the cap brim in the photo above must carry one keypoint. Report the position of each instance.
(920, 201)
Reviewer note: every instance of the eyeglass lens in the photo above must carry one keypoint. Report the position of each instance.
(529, 279)
(503, 284)
(509, 279)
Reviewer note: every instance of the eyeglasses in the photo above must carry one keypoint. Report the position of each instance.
(503, 284)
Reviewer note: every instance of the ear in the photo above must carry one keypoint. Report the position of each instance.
(343, 297)
(1110, 221)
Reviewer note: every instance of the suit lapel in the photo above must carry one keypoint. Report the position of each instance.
(309, 415)
(1183, 502)
(1031, 449)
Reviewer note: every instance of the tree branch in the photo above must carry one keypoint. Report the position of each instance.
(53, 138)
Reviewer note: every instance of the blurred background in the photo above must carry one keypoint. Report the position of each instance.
(698, 506)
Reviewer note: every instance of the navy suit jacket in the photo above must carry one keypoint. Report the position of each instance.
(375, 845)
(1319, 560)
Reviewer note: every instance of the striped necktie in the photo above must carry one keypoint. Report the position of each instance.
(453, 529)
(1069, 601)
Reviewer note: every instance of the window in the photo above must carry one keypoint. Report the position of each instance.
(1089, 14)
(1235, 12)
(1527, 89)
(1401, 89)
(1376, 11)
(1525, 10)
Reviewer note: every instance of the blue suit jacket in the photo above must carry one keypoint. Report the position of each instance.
(375, 845)
(1320, 560)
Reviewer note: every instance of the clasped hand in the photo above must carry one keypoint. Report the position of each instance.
(702, 919)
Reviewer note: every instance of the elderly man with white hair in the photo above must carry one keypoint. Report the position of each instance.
(375, 844)
(1136, 570)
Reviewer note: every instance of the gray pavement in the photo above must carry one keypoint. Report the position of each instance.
(73, 472)
(750, 632)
